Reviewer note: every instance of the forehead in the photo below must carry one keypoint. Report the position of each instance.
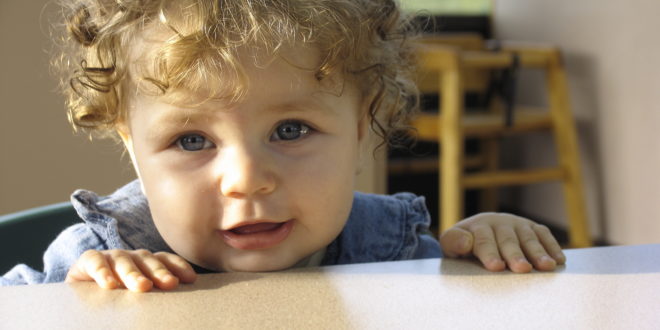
(175, 73)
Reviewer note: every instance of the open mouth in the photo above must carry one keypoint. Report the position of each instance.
(256, 228)
(257, 236)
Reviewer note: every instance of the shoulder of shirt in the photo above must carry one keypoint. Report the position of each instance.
(380, 228)
(396, 213)
(123, 218)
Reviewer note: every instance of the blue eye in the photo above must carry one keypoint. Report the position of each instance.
(290, 130)
(193, 142)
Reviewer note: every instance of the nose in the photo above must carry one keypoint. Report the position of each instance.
(245, 172)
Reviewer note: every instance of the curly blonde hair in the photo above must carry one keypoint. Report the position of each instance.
(367, 39)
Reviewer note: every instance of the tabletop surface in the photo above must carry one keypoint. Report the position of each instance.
(598, 288)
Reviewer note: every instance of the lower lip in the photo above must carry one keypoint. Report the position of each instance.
(257, 241)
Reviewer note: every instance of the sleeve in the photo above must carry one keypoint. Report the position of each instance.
(428, 247)
(58, 258)
(418, 241)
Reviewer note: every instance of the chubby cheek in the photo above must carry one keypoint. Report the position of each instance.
(324, 188)
(182, 209)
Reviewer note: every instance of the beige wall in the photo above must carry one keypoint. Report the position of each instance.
(611, 51)
(41, 161)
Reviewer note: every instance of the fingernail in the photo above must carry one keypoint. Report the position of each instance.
(464, 243)
(522, 260)
(110, 281)
(461, 243)
(547, 259)
(138, 278)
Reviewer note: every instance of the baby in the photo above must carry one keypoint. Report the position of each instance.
(246, 122)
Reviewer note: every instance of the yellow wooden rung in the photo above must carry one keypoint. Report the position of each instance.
(495, 60)
(506, 178)
(427, 164)
(484, 124)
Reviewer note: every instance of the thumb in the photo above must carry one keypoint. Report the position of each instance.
(456, 242)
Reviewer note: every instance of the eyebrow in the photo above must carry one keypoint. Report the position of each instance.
(183, 116)
(304, 105)
(173, 118)
(176, 116)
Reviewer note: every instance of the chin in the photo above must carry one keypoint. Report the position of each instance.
(258, 264)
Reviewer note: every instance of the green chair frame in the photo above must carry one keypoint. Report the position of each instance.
(25, 235)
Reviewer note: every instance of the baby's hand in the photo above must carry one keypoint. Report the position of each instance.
(137, 270)
(503, 240)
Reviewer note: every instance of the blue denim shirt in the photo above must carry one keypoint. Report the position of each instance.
(379, 228)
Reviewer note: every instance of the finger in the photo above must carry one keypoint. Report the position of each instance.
(93, 266)
(456, 242)
(509, 247)
(485, 248)
(128, 272)
(77, 271)
(533, 249)
(178, 266)
(549, 243)
(154, 269)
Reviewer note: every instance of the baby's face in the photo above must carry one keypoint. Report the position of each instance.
(255, 185)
